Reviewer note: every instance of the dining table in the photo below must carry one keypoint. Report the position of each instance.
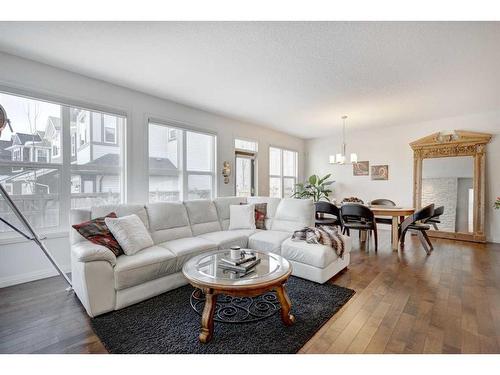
(397, 214)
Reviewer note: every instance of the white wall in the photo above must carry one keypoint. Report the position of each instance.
(391, 146)
(22, 261)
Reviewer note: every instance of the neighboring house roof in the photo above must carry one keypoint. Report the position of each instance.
(5, 154)
(161, 163)
(106, 160)
(114, 160)
(157, 166)
(29, 140)
(23, 138)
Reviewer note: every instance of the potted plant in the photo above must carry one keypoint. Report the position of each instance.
(315, 188)
(497, 203)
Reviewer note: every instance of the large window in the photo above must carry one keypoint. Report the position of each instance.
(283, 172)
(181, 164)
(45, 182)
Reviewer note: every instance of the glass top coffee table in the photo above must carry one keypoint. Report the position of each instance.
(203, 272)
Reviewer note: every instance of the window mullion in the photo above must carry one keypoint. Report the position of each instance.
(281, 175)
(184, 166)
(65, 172)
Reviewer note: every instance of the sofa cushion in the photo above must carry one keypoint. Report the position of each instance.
(148, 264)
(222, 205)
(267, 241)
(202, 216)
(242, 217)
(227, 238)
(96, 231)
(121, 210)
(185, 248)
(315, 255)
(260, 214)
(272, 205)
(293, 214)
(130, 233)
(168, 221)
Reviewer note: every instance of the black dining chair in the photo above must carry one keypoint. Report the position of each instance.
(416, 223)
(358, 217)
(434, 219)
(329, 209)
(383, 202)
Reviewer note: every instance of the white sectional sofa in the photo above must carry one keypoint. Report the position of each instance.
(181, 230)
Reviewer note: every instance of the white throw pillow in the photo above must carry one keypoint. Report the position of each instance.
(242, 216)
(130, 233)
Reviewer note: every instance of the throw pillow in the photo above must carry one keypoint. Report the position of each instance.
(241, 217)
(130, 233)
(260, 215)
(96, 231)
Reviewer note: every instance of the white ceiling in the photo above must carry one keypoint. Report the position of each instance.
(297, 77)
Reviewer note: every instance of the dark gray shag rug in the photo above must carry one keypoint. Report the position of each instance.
(168, 324)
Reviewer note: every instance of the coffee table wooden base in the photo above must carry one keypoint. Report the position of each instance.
(207, 318)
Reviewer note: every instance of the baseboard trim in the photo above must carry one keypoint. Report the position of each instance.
(31, 276)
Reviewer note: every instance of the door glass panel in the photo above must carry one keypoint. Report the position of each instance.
(243, 177)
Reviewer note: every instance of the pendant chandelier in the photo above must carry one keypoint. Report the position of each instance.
(341, 157)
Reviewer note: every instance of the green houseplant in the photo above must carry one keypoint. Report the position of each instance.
(497, 203)
(315, 187)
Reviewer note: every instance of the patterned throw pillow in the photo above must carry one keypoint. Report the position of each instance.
(96, 231)
(260, 215)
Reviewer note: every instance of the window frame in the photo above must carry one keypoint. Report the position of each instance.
(64, 167)
(46, 152)
(183, 172)
(246, 140)
(282, 176)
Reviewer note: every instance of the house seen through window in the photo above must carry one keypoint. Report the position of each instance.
(32, 160)
(181, 164)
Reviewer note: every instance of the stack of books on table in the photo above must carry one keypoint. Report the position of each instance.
(242, 266)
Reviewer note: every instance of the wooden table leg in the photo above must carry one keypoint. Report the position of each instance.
(287, 318)
(395, 234)
(207, 319)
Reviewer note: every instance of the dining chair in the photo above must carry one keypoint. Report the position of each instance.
(416, 223)
(434, 219)
(329, 209)
(359, 217)
(383, 202)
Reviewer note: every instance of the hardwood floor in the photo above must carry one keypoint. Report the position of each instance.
(405, 302)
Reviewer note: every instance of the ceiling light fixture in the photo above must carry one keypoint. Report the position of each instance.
(340, 158)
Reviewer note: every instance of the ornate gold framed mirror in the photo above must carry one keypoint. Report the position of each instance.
(449, 171)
